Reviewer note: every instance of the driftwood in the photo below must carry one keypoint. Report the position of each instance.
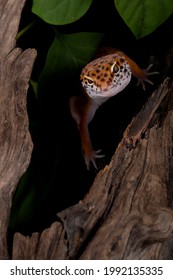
(127, 213)
(15, 140)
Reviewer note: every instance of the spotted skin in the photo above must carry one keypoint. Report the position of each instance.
(106, 76)
(101, 79)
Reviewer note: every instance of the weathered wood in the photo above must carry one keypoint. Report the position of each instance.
(127, 213)
(15, 140)
(50, 244)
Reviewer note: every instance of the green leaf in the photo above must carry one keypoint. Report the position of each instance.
(60, 11)
(144, 16)
(34, 85)
(69, 53)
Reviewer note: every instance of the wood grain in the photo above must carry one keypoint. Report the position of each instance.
(15, 140)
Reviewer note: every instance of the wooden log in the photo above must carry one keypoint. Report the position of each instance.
(15, 140)
(127, 213)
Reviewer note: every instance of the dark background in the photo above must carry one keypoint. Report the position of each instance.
(57, 174)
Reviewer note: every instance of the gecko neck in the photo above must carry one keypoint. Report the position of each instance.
(99, 101)
(94, 105)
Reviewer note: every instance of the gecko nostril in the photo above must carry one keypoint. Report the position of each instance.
(122, 59)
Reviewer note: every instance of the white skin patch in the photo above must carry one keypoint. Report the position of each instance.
(115, 78)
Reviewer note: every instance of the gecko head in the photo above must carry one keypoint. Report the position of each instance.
(106, 76)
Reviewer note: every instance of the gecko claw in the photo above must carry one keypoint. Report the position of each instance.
(92, 158)
(144, 79)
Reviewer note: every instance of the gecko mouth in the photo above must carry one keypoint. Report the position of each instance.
(108, 91)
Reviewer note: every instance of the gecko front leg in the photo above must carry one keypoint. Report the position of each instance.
(83, 110)
(102, 79)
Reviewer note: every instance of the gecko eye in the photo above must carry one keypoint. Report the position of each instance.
(89, 80)
(114, 68)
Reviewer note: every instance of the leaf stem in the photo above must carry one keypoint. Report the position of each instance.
(25, 29)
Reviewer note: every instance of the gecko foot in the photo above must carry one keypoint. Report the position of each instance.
(144, 79)
(92, 158)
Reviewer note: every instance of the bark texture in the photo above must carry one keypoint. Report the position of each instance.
(15, 140)
(127, 213)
